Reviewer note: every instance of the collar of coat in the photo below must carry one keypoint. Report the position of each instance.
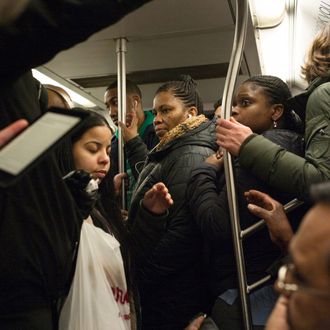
(298, 102)
(181, 129)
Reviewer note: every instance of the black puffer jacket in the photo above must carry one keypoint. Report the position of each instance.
(209, 204)
(170, 278)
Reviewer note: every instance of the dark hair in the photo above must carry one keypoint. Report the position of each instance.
(278, 92)
(131, 87)
(106, 213)
(184, 88)
(217, 104)
(65, 157)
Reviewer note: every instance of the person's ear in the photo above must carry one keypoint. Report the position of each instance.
(192, 111)
(277, 111)
(136, 98)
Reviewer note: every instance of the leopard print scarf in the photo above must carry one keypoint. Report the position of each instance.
(179, 130)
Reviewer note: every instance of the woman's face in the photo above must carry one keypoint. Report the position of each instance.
(251, 108)
(91, 151)
(169, 112)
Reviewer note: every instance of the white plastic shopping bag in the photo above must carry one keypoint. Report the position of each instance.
(98, 297)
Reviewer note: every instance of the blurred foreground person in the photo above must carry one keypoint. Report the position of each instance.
(40, 220)
(304, 282)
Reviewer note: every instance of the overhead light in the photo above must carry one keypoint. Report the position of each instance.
(267, 13)
(77, 94)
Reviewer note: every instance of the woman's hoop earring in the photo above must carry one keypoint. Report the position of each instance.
(189, 115)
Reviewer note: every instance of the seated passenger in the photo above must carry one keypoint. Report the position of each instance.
(260, 103)
(171, 280)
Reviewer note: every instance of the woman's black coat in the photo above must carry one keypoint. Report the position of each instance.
(208, 201)
(171, 278)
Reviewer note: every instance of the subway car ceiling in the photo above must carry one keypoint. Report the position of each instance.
(167, 38)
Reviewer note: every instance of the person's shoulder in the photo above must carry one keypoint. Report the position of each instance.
(322, 89)
(288, 139)
(319, 100)
(204, 135)
(319, 86)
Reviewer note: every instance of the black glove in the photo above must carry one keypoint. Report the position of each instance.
(84, 190)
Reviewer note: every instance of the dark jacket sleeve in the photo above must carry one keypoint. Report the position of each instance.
(149, 226)
(46, 27)
(209, 203)
(170, 252)
(207, 193)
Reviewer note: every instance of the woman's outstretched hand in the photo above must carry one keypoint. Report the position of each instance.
(157, 199)
(267, 208)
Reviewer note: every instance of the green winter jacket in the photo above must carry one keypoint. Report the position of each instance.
(284, 170)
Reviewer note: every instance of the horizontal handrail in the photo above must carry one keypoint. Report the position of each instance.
(290, 206)
(256, 284)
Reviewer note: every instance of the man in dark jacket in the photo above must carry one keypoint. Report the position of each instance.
(40, 221)
(141, 133)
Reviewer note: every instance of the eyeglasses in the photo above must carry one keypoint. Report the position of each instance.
(288, 288)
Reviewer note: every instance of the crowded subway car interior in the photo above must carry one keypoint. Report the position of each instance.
(188, 188)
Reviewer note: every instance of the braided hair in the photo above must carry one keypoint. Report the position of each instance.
(278, 92)
(184, 88)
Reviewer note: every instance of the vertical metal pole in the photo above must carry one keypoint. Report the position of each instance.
(233, 71)
(291, 10)
(121, 90)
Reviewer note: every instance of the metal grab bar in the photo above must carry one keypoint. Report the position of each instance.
(121, 93)
(290, 206)
(293, 204)
(233, 70)
(256, 284)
